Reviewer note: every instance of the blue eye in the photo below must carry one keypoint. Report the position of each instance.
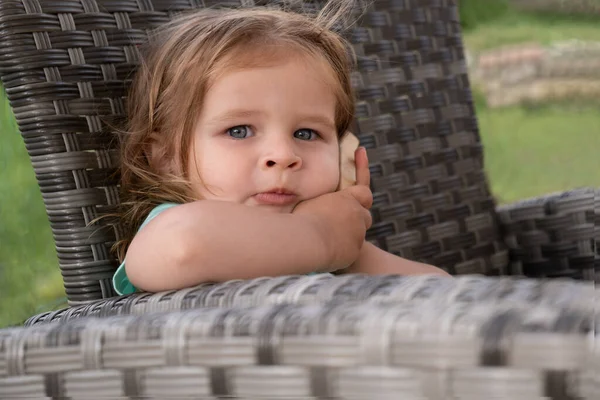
(239, 132)
(305, 134)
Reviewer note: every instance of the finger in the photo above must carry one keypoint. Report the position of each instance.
(362, 194)
(368, 219)
(363, 175)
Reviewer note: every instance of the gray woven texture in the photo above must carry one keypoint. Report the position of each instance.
(554, 235)
(327, 288)
(430, 347)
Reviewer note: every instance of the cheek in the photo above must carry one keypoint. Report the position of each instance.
(204, 163)
(218, 173)
(327, 172)
(201, 170)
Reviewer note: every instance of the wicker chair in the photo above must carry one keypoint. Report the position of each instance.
(66, 67)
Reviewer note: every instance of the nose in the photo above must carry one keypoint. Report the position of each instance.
(281, 154)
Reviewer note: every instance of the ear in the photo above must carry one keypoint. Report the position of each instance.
(348, 145)
(159, 155)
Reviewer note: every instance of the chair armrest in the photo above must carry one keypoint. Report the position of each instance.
(325, 288)
(341, 350)
(556, 235)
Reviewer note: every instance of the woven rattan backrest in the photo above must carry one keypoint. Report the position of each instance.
(66, 67)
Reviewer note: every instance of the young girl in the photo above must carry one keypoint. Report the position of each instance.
(231, 161)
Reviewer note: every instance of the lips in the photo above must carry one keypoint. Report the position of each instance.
(276, 197)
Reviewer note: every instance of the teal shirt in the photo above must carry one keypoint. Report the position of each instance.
(120, 281)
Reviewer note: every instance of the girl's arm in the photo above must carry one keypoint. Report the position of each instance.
(374, 261)
(214, 241)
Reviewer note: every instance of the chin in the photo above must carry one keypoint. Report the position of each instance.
(279, 209)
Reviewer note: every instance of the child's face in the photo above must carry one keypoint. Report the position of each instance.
(266, 136)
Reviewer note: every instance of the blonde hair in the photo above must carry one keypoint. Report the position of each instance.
(178, 64)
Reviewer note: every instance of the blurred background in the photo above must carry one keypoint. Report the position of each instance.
(535, 70)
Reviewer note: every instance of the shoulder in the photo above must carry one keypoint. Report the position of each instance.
(156, 211)
(120, 281)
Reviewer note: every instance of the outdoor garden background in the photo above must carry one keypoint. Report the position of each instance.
(535, 67)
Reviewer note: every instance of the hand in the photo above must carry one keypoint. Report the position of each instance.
(342, 218)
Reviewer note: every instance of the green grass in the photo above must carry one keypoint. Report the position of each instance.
(514, 27)
(30, 280)
(530, 152)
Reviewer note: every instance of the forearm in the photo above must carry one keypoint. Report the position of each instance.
(374, 261)
(214, 241)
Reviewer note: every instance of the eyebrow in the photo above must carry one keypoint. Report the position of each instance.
(241, 114)
(321, 120)
(235, 114)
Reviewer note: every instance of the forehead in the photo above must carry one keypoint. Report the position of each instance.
(285, 80)
(273, 55)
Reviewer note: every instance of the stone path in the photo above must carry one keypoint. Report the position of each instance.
(532, 73)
